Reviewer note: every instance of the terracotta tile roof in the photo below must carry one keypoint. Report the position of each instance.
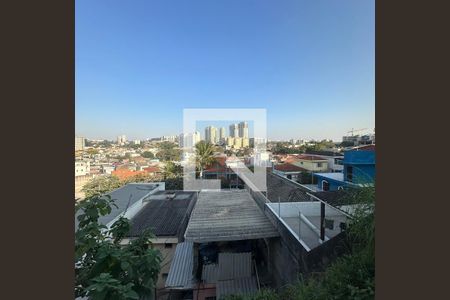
(125, 173)
(309, 157)
(286, 167)
(151, 169)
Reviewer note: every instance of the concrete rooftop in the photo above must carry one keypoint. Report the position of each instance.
(227, 216)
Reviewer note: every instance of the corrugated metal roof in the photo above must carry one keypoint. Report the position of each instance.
(181, 269)
(235, 265)
(227, 216)
(162, 216)
(123, 197)
(239, 286)
(210, 273)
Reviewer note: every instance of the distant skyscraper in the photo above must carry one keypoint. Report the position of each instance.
(211, 135)
(121, 139)
(222, 135)
(79, 143)
(243, 130)
(189, 140)
(234, 130)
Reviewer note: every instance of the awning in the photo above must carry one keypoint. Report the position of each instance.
(181, 269)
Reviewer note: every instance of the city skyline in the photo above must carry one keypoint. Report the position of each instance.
(309, 64)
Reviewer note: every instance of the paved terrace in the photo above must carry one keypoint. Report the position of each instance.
(307, 227)
(227, 216)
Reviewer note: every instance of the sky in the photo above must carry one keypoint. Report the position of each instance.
(310, 64)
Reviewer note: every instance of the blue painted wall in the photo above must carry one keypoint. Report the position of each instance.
(334, 184)
(363, 164)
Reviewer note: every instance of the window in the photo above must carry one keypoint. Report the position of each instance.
(167, 245)
(319, 165)
(164, 275)
(350, 173)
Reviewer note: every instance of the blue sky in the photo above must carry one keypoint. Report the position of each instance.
(138, 64)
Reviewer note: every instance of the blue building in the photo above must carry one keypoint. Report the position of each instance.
(359, 169)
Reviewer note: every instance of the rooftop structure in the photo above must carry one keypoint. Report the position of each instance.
(164, 214)
(359, 169)
(181, 269)
(227, 216)
(304, 220)
(128, 199)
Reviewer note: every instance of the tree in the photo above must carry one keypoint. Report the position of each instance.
(172, 170)
(92, 151)
(168, 152)
(104, 269)
(101, 185)
(204, 155)
(148, 154)
(306, 178)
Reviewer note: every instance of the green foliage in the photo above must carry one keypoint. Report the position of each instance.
(174, 183)
(306, 178)
(168, 152)
(263, 294)
(283, 148)
(172, 170)
(105, 269)
(101, 185)
(92, 151)
(140, 177)
(346, 144)
(148, 154)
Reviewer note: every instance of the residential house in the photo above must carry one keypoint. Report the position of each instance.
(225, 250)
(359, 169)
(312, 163)
(335, 159)
(289, 171)
(82, 168)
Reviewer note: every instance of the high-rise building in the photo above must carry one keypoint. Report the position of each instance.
(121, 139)
(237, 142)
(245, 142)
(243, 130)
(234, 130)
(222, 135)
(211, 135)
(189, 140)
(79, 143)
(230, 141)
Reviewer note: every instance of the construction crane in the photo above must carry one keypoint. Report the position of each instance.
(356, 130)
